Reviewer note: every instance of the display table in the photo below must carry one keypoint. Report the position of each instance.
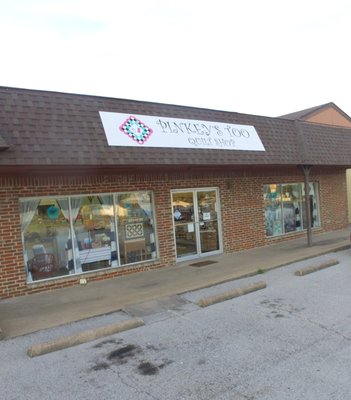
(93, 255)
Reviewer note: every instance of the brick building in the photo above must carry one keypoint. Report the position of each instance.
(327, 114)
(97, 187)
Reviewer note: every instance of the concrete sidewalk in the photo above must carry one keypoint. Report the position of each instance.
(28, 314)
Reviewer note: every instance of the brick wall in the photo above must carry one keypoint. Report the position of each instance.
(334, 208)
(241, 197)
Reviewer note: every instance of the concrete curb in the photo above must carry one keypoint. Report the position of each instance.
(207, 301)
(314, 268)
(83, 337)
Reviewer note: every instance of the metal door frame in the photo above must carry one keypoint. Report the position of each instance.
(199, 254)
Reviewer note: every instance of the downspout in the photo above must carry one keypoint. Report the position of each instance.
(306, 172)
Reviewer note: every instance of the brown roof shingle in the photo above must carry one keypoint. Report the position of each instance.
(3, 144)
(57, 129)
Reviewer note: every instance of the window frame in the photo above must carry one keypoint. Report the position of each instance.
(301, 202)
(73, 234)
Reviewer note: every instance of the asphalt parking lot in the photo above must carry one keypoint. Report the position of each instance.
(291, 340)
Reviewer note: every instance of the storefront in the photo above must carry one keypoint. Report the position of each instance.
(97, 188)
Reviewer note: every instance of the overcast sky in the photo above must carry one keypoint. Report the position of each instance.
(265, 57)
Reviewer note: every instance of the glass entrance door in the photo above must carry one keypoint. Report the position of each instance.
(184, 224)
(196, 222)
(208, 221)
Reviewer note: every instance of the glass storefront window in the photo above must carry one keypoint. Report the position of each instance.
(315, 219)
(94, 231)
(77, 234)
(135, 222)
(273, 211)
(45, 231)
(285, 209)
(291, 200)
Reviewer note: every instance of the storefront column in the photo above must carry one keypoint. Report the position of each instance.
(306, 171)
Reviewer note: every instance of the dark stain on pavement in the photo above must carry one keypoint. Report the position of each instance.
(106, 342)
(280, 308)
(133, 353)
(100, 366)
(274, 303)
(147, 368)
(165, 363)
(152, 347)
(124, 353)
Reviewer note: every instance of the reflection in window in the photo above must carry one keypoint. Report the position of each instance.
(94, 231)
(183, 214)
(208, 221)
(314, 206)
(291, 200)
(273, 211)
(285, 209)
(45, 231)
(135, 227)
(72, 235)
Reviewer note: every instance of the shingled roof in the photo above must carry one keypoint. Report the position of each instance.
(41, 128)
(3, 144)
(302, 114)
(309, 112)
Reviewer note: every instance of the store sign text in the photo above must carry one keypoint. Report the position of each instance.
(151, 131)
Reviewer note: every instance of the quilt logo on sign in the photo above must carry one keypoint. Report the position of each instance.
(136, 130)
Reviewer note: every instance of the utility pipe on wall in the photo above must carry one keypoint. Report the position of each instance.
(306, 171)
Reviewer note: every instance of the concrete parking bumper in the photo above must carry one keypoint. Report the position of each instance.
(83, 337)
(231, 294)
(313, 268)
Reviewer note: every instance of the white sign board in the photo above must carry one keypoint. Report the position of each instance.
(151, 131)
